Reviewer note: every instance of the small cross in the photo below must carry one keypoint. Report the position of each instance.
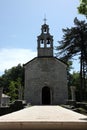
(45, 19)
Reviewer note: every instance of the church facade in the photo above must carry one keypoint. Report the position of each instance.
(45, 75)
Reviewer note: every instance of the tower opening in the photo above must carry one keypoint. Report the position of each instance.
(46, 97)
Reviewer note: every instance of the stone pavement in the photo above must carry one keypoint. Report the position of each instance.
(43, 117)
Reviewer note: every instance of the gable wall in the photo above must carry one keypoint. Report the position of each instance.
(45, 72)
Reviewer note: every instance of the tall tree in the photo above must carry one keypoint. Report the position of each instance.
(75, 43)
(82, 9)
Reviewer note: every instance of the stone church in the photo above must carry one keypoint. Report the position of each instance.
(45, 75)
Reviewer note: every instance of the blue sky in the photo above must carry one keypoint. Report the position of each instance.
(20, 24)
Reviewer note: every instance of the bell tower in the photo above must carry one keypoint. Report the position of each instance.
(45, 42)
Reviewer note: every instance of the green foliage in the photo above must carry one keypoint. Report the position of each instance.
(82, 9)
(74, 80)
(11, 81)
(1, 82)
(75, 43)
(12, 90)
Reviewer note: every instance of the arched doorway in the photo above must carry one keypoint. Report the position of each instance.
(46, 97)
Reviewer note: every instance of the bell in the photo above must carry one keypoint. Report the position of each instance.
(45, 29)
(41, 40)
(48, 41)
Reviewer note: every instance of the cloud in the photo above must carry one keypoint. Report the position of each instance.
(12, 57)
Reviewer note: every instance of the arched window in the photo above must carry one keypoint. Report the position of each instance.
(48, 43)
(45, 30)
(42, 43)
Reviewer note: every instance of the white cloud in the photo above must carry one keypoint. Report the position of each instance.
(12, 57)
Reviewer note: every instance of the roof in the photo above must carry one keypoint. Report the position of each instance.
(5, 96)
(45, 57)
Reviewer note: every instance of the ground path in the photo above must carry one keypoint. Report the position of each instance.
(43, 117)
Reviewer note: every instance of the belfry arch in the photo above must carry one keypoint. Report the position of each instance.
(46, 96)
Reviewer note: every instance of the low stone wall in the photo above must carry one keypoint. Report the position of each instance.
(4, 110)
(17, 105)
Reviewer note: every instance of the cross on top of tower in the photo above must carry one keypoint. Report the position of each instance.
(45, 19)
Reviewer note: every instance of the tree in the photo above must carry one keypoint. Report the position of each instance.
(82, 9)
(75, 81)
(12, 91)
(12, 80)
(69, 67)
(14, 88)
(75, 43)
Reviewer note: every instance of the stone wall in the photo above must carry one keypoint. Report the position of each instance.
(42, 72)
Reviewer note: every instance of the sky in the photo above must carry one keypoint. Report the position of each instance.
(20, 24)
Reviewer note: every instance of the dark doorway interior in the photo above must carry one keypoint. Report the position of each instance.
(46, 100)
